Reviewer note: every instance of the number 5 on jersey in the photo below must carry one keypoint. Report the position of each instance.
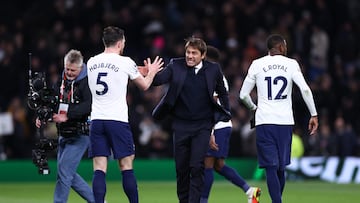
(102, 83)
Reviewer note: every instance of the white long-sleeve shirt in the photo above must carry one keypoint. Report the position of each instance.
(274, 77)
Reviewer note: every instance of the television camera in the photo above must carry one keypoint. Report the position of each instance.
(43, 100)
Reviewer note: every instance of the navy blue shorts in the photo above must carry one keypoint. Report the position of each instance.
(108, 136)
(273, 144)
(222, 138)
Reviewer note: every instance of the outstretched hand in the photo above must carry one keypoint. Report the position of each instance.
(155, 66)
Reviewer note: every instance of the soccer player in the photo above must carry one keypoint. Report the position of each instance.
(274, 75)
(108, 76)
(215, 157)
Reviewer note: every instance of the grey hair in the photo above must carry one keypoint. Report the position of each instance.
(74, 57)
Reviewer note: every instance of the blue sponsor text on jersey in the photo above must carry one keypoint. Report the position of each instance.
(104, 65)
(275, 67)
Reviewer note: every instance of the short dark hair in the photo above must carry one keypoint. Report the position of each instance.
(111, 35)
(212, 54)
(274, 40)
(196, 43)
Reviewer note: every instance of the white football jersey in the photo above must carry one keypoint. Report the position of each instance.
(223, 124)
(274, 77)
(108, 76)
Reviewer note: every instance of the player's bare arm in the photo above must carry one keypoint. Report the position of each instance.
(153, 68)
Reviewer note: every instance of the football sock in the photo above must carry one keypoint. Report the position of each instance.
(281, 176)
(130, 185)
(99, 186)
(273, 184)
(234, 177)
(208, 181)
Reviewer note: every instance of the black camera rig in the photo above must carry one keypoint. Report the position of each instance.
(43, 100)
(39, 154)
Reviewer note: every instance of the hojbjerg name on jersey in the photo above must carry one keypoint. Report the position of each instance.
(275, 67)
(104, 65)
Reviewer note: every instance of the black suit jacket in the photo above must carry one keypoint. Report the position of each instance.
(174, 74)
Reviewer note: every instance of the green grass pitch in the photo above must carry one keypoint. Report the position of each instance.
(165, 192)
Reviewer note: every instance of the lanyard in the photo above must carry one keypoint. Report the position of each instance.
(70, 96)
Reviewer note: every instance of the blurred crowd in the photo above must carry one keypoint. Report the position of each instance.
(322, 35)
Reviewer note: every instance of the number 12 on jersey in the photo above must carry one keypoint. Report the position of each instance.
(279, 80)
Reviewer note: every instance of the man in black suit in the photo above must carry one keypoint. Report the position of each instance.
(189, 101)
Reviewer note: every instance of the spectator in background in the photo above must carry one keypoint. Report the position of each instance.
(153, 139)
(318, 52)
(345, 138)
(326, 141)
(18, 144)
(159, 145)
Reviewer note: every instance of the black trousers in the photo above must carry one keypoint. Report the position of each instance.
(190, 147)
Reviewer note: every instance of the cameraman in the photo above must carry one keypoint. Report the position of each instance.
(71, 121)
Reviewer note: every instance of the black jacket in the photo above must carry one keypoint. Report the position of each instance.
(174, 74)
(80, 108)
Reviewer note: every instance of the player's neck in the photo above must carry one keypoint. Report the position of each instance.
(275, 52)
(111, 50)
